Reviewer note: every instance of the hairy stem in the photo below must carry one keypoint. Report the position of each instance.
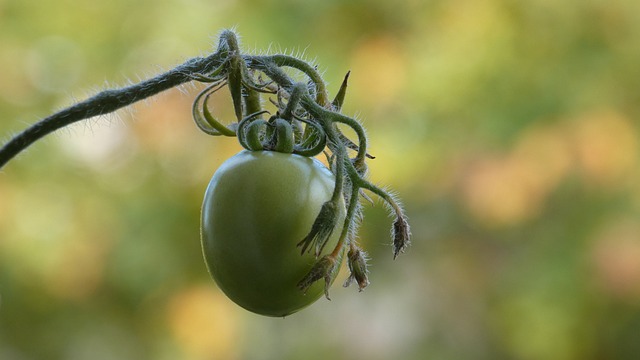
(346, 228)
(108, 101)
(310, 71)
(385, 196)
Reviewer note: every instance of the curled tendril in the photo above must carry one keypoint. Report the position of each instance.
(315, 142)
(305, 123)
(202, 115)
(243, 127)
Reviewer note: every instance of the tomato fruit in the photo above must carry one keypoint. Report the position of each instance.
(258, 206)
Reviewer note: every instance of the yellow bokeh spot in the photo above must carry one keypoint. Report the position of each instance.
(78, 269)
(204, 323)
(165, 126)
(381, 70)
(606, 147)
(508, 189)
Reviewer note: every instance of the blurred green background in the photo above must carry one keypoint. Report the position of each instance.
(509, 128)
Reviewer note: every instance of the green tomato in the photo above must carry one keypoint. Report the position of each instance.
(258, 206)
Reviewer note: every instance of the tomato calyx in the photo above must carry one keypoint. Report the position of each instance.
(321, 229)
(305, 123)
(325, 268)
(358, 268)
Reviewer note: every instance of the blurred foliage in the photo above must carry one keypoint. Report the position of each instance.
(509, 128)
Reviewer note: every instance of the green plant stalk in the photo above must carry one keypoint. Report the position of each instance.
(322, 97)
(252, 102)
(108, 101)
(294, 99)
(348, 223)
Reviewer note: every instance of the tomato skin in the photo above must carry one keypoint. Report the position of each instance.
(257, 207)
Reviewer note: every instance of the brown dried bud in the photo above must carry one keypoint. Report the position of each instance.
(323, 268)
(358, 267)
(401, 234)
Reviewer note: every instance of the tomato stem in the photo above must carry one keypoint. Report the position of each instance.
(295, 95)
(352, 208)
(322, 97)
(108, 101)
(400, 231)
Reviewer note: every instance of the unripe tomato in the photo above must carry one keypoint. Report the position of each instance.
(258, 206)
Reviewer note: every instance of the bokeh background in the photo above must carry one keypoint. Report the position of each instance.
(509, 128)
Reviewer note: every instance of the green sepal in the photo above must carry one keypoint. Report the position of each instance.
(254, 133)
(234, 79)
(243, 128)
(203, 117)
(284, 136)
(314, 143)
(339, 99)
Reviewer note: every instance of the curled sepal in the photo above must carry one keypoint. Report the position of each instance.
(314, 143)
(203, 117)
(321, 229)
(284, 136)
(401, 234)
(255, 130)
(243, 128)
(358, 267)
(323, 268)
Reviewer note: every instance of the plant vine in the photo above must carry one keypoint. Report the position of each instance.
(306, 123)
